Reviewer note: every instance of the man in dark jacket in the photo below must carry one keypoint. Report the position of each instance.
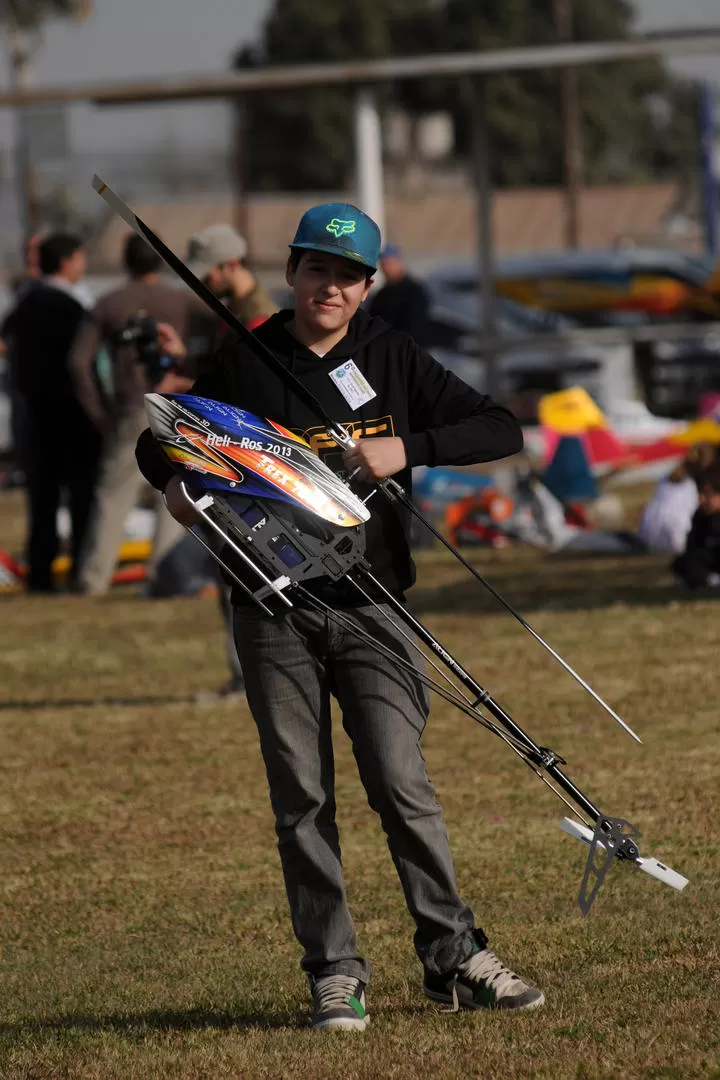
(64, 447)
(404, 409)
(402, 301)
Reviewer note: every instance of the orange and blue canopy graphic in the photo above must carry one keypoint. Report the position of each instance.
(225, 448)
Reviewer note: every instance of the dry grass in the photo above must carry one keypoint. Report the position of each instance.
(143, 928)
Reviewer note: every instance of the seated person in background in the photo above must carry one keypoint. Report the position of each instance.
(699, 564)
(665, 521)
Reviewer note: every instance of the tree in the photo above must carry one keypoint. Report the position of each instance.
(302, 141)
(23, 21)
(637, 120)
(24, 18)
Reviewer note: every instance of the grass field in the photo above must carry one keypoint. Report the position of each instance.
(143, 928)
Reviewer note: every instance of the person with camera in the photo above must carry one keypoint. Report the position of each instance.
(116, 360)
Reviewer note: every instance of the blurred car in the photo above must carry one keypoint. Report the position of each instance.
(524, 373)
(600, 287)
(673, 374)
(634, 286)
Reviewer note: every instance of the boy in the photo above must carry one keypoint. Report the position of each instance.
(409, 411)
(699, 564)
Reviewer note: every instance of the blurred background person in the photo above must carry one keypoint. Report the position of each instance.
(402, 301)
(16, 475)
(63, 446)
(666, 520)
(115, 361)
(216, 255)
(699, 564)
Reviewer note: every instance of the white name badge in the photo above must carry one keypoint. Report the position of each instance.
(352, 384)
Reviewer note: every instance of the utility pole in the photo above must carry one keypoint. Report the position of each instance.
(20, 53)
(368, 156)
(486, 301)
(241, 173)
(572, 144)
(708, 161)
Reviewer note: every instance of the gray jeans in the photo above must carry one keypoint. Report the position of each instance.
(292, 665)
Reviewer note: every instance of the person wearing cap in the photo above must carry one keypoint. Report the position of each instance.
(216, 255)
(402, 301)
(403, 409)
(118, 411)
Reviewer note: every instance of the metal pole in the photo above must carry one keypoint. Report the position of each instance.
(368, 156)
(371, 72)
(241, 216)
(486, 269)
(572, 145)
(25, 179)
(708, 137)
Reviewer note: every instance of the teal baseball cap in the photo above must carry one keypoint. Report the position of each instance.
(340, 229)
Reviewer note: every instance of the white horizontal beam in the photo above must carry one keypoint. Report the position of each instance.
(177, 88)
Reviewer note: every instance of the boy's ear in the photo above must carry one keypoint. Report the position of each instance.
(289, 273)
(369, 282)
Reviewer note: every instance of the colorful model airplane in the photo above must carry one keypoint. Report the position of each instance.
(649, 282)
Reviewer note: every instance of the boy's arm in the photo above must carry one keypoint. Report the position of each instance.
(451, 423)
(152, 462)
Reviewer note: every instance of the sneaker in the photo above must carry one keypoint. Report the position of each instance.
(338, 1003)
(482, 982)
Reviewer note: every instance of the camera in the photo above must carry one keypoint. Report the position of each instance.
(141, 331)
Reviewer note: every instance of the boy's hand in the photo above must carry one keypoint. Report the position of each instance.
(373, 459)
(173, 383)
(177, 504)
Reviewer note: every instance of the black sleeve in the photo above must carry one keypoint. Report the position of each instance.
(451, 423)
(151, 459)
(8, 323)
(698, 529)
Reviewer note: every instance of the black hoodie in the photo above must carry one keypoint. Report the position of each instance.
(441, 419)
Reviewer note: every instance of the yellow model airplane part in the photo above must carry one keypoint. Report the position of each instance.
(650, 293)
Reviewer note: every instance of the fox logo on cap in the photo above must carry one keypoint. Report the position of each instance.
(347, 225)
(340, 227)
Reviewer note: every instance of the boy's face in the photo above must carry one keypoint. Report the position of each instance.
(709, 499)
(328, 290)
